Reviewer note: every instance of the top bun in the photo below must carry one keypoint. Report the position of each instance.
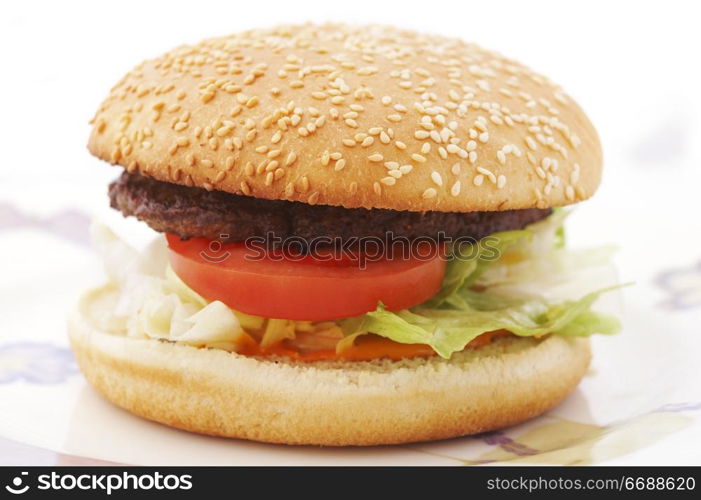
(365, 116)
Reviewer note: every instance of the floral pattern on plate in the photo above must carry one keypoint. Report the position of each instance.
(36, 363)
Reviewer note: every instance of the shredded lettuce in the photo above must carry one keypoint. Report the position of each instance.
(497, 284)
(155, 303)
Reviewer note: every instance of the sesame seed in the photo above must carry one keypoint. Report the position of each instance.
(421, 134)
(501, 181)
(418, 158)
(569, 192)
(377, 157)
(478, 180)
(455, 190)
(261, 167)
(289, 190)
(388, 181)
(488, 173)
(291, 158)
(222, 131)
(429, 193)
(574, 175)
(436, 178)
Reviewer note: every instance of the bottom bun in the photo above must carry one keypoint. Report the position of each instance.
(211, 391)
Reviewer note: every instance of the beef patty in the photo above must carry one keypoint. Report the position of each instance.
(193, 212)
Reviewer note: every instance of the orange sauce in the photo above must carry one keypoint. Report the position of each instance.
(365, 348)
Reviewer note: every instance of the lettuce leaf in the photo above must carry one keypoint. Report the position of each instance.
(494, 284)
(468, 262)
(450, 330)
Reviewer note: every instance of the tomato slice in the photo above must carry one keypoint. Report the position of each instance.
(274, 286)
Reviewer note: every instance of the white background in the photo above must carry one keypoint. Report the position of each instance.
(633, 66)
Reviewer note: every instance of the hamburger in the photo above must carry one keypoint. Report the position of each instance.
(361, 239)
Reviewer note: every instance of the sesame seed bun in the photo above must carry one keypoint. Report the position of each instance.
(354, 117)
(215, 392)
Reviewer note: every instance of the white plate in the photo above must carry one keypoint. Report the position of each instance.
(639, 404)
